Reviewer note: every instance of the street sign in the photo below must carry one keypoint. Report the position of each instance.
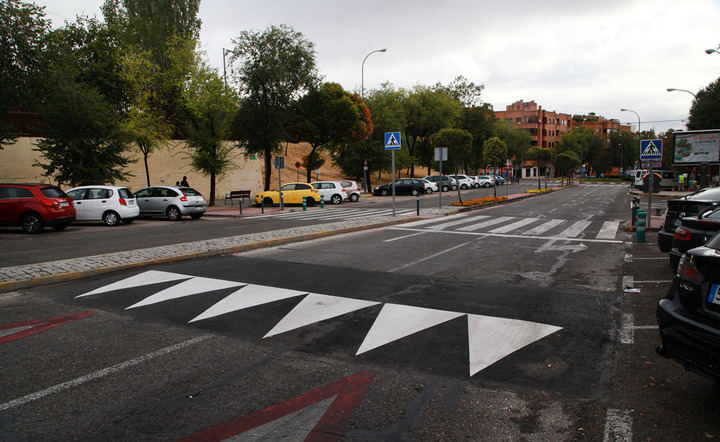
(441, 153)
(650, 149)
(279, 162)
(392, 140)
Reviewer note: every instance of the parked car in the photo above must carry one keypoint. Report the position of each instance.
(486, 180)
(499, 180)
(689, 205)
(403, 186)
(292, 193)
(352, 189)
(34, 206)
(331, 191)
(689, 316)
(444, 182)
(694, 231)
(430, 186)
(463, 181)
(173, 202)
(109, 204)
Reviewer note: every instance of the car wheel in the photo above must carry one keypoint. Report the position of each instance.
(173, 213)
(111, 218)
(60, 226)
(428, 191)
(414, 192)
(32, 223)
(128, 220)
(267, 201)
(336, 199)
(196, 215)
(444, 188)
(487, 184)
(384, 192)
(464, 187)
(454, 187)
(309, 201)
(354, 197)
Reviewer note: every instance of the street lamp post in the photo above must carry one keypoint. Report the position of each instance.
(362, 95)
(650, 172)
(697, 114)
(582, 149)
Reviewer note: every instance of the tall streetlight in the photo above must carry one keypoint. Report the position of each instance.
(697, 114)
(650, 176)
(582, 149)
(362, 95)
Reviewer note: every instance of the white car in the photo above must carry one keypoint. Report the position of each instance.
(430, 186)
(110, 204)
(331, 191)
(463, 181)
(351, 188)
(486, 180)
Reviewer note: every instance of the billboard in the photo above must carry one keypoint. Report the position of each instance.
(696, 147)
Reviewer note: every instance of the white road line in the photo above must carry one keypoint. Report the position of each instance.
(662, 281)
(479, 226)
(422, 222)
(618, 426)
(627, 329)
(100, 373)
(652, 257)
(575, 229)
(463, 220)
(511, 235)
(513, 226)
(404, 236)
(608, 230)
(628, 281)
(544, 227)
(434, 255)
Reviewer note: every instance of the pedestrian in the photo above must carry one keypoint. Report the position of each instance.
(184, 182)
(681, 182)
(177, 183)
(691, 180)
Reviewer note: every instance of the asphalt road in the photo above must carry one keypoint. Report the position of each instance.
(508, 323)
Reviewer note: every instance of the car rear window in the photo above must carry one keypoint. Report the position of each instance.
(125, 193)
(190, 191)
(15, 192)
(53, 192)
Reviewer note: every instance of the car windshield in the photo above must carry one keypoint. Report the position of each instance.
(53, 192)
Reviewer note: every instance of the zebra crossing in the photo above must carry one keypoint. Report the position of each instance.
(339, 213)
(531, 227)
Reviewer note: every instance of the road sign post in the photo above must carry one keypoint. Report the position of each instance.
(392, 143)
(650, 150)
(440, 156)
(279, 165)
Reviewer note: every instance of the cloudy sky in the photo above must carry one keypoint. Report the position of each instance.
(568, 56)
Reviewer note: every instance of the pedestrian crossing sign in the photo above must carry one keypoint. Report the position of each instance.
(650, 149)
(392, 140)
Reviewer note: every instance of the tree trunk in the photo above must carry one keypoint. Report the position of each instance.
(268, 166)
(212, 188)
(147, 172)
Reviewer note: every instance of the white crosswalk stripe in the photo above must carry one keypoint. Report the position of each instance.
(338, 213)
(544, 227)
(514, 226)
(575, 229)
(478, 226)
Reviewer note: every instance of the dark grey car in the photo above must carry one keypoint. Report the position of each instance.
(173, 202)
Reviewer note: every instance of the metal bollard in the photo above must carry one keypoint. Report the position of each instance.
(417, 201)
(640, 230)
(262, 206)
(635, 206)
(240, 206)
(304, 203)
(322, 202)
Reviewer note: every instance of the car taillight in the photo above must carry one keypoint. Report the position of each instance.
(688, 272)
(122, 201)
(682, 234)
(51, 203)
(183, 198)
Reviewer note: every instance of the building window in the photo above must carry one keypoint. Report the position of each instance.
(518, 120)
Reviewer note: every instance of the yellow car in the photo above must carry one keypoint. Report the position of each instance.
(292, 193)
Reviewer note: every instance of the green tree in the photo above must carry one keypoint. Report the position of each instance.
(518, 141)
(495, 152)
(459, 143)
(566, 163)
(209, 111)
(327, 117)
(624, 148)
(587, 144)
(705, 110)
(542, 156)
(479, 121)
(466, 92)
(23, 46)
(275, 67)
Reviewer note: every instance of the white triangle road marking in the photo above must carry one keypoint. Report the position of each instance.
(491, 339)
(293, 426)
(193, 286)
(315, 308)
(397, 321)
(145, 278)
(251, 295)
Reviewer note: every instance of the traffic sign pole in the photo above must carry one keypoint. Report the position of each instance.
(650, 150)
(392, 143)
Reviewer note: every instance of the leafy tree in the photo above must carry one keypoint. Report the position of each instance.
(327, 117)
(705, 110)
(495, 152)
(587, 144)
(459, 143)
(518, 141)
(479, 121)
(467, 92)
(566, 163)
(542, 156)
(209, 110)
(276, 66)
(624, 148)
(23, 45)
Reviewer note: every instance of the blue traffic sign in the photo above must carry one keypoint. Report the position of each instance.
(650, 149)
(392, 140)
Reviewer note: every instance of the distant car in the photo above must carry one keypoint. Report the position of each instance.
(351, 188)
(403, 186)
(331, 191)
(694, 231)
(463, 181)
(109, 204)
(486, 180)
(173, 202)
(430, 186)
(443, 181)
(500, 180)
(292, 193)
(689, 316)
(688, 205)
(34, 206)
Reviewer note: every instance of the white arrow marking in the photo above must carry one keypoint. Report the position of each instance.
(190, 287)
(315, 308)
(397, 321)
(551, 247)
(491, 339)
(146, 278)
(249, 296)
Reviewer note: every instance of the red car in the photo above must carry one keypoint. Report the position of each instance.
(33, 206)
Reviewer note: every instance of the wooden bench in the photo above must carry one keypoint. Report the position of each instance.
(240, 194)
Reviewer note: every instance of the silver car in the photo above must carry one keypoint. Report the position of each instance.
(173, 202)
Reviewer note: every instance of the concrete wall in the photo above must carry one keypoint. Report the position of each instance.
(167, 165)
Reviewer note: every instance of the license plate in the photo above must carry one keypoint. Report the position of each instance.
(64, 204)
(714, 296)
(131, 203)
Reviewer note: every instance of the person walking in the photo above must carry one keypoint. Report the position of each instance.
(681, 182)
(184, 182)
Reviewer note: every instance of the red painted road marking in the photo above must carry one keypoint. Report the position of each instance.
(38, 326)
(348, 393)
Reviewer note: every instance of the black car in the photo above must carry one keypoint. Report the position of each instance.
(444, 182)
(689, 205)
(694, 231)
(403, 186)
(689, 316)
